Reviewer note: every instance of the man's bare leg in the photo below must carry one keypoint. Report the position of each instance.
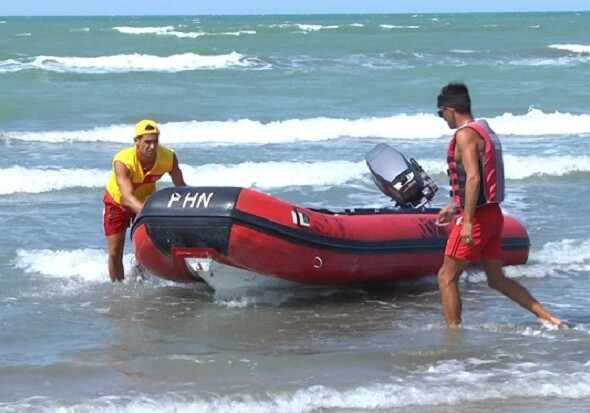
(448, 284)
(516, 292)
(116, 244)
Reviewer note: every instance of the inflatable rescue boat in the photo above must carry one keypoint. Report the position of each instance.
(226, 236)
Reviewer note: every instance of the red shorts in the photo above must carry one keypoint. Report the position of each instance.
(115, 217)
(487, 226)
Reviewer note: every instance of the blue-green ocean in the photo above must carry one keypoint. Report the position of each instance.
(288, 105)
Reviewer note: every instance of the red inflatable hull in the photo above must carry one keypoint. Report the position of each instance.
(253, 231)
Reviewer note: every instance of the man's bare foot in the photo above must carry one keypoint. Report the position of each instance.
(554, 322)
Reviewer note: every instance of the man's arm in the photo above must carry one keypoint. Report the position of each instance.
(126, 187)
(445, 215)
(176, 173)
(467, 144)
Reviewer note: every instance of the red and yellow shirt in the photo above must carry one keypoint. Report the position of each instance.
(144, 184)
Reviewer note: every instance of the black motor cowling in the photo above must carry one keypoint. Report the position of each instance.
(402, 180)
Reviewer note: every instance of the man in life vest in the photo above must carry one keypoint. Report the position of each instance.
(135, 172)
(476, 173)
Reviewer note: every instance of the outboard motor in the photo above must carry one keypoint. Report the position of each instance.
(405, 182)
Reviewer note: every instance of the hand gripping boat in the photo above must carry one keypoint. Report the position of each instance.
(228, 236)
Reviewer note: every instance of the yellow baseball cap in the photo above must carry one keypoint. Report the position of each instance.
(146, 126)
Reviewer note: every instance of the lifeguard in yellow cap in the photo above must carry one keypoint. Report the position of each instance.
(135, 172)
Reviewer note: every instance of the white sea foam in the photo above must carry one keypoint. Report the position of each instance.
(88, 265)
(278, 174)
(315, 27)
(247, 131)
(136, 62)
(538, 123)
(171, 31)
(306, 27)
(575, 48)
(144, 30)
(572, 252)
(568, 255)
(125, 63)
(393, 26)
(19, 179)
(522, 167)
(272, 174)
(263, 175)
(448, 383)
(570, 60)
(74, 268)
(462, 51)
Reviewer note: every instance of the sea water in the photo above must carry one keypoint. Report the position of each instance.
(288, 105)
